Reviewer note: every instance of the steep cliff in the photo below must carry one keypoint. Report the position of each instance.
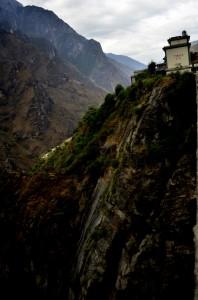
(110, 214)
(41, 99)
(86, 55)
(9, 10)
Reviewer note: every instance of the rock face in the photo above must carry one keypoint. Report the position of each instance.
(49, 76)
(86, 55)
(110, 214)
(41, 99)
(9, 10)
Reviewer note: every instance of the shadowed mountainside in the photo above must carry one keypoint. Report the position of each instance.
(109, 215)
(86, 55)
(41, 99)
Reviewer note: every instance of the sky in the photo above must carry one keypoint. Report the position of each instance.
(137, 28)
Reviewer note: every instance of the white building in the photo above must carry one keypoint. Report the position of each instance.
(178, 57)
(177, 54)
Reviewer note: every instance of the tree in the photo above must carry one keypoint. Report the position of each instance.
(152, 68)
(119, 88)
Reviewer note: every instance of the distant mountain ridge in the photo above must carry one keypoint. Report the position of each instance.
(86, 55)
(127, 61)
(125, 69)
(194, 46)
(49, 76)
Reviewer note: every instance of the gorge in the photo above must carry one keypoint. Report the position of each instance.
(110, 215)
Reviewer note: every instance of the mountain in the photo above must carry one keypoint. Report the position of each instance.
(110, 213)
(123, 68)
(42, 99)
(129, 62)
(9, 10)
(46, 91)
(194, 46)
(86, 55)
(10, 5)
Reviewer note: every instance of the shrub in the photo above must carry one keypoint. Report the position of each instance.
(132, 92)
(109, 99)
(142, 75)
(90, 116)
(119, 88)
(152, 68)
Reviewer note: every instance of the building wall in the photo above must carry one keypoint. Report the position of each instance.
(179, 42)
(181, 71)
(177, 57)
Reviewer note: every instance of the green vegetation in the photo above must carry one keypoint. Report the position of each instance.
(85, 145)
(99, 233)
(86, 153)
(152, 68)
(118, 89)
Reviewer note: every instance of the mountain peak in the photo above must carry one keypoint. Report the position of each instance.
(10, 4)
(86, 55)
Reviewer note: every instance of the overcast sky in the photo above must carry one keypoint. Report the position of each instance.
(137, 28)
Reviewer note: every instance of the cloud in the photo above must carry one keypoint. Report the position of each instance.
(135, 28)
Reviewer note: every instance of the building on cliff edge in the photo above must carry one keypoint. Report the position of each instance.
(178, 56)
